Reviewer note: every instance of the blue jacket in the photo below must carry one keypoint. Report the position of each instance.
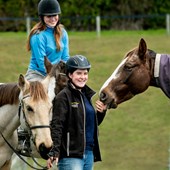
(44, 44)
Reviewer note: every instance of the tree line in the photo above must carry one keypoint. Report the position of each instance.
(81, 14)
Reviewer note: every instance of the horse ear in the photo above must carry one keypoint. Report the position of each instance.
(47, 64)
(23, 84)
(142, 49)
(63, 65)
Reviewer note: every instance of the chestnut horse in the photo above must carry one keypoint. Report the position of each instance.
(140, 68)
(35, 101)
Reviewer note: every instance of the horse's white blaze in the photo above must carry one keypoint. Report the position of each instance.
(113, 76)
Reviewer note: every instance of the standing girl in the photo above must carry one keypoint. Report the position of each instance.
(75, 121)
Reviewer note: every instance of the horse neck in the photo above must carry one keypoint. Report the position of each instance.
(152, 55)
(9, 94)
(9, 103)
(8, 113)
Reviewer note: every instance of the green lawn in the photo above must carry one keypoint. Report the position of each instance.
(136, 135)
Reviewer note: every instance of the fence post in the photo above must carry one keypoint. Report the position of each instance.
(28, 24)
(98, 27)
(168, 24)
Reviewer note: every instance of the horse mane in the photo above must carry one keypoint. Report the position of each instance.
(9, 94)
(130, 52)
(37, 91)
(152, 54)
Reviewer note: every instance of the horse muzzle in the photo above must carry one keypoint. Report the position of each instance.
(43, 151)
(110, 102)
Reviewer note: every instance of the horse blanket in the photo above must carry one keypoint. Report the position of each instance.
(162, 72)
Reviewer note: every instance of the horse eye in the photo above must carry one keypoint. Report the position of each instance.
(128, 68)
(29, 109)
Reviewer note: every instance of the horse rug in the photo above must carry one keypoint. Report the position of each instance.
(162, 72)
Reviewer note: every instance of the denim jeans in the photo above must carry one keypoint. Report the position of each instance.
(86, 163)
(33, 75)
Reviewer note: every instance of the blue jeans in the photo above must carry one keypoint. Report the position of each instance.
(33, 75)
(86, 163)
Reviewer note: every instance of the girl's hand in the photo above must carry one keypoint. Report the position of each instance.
(100, 106)
(50, 162)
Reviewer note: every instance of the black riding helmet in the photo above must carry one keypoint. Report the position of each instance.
(77, 62)
(48, 7)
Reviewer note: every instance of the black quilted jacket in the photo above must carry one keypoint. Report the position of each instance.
(68, 124)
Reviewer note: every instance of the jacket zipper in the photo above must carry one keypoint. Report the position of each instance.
(68, 143)
(84, 121)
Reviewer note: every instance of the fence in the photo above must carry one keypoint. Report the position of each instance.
(97, 23)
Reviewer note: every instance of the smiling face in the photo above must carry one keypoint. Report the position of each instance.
(79, 77)
(51, 20)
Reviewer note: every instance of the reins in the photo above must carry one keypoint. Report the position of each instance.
(16, 152)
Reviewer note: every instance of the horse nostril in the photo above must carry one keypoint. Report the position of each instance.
(103, 96)
(44, 151)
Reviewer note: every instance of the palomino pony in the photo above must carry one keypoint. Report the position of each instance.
(140, 68)
(35, 101)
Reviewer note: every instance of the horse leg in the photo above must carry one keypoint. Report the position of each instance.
(7, 165)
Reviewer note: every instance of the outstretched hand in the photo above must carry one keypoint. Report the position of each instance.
(100, 106)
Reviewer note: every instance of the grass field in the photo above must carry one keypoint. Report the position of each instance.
(136, 135)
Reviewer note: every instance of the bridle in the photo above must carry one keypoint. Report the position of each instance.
(29, 130)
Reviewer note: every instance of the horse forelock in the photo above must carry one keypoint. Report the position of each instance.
(37, 91)
(131, 52)
(9, 94)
